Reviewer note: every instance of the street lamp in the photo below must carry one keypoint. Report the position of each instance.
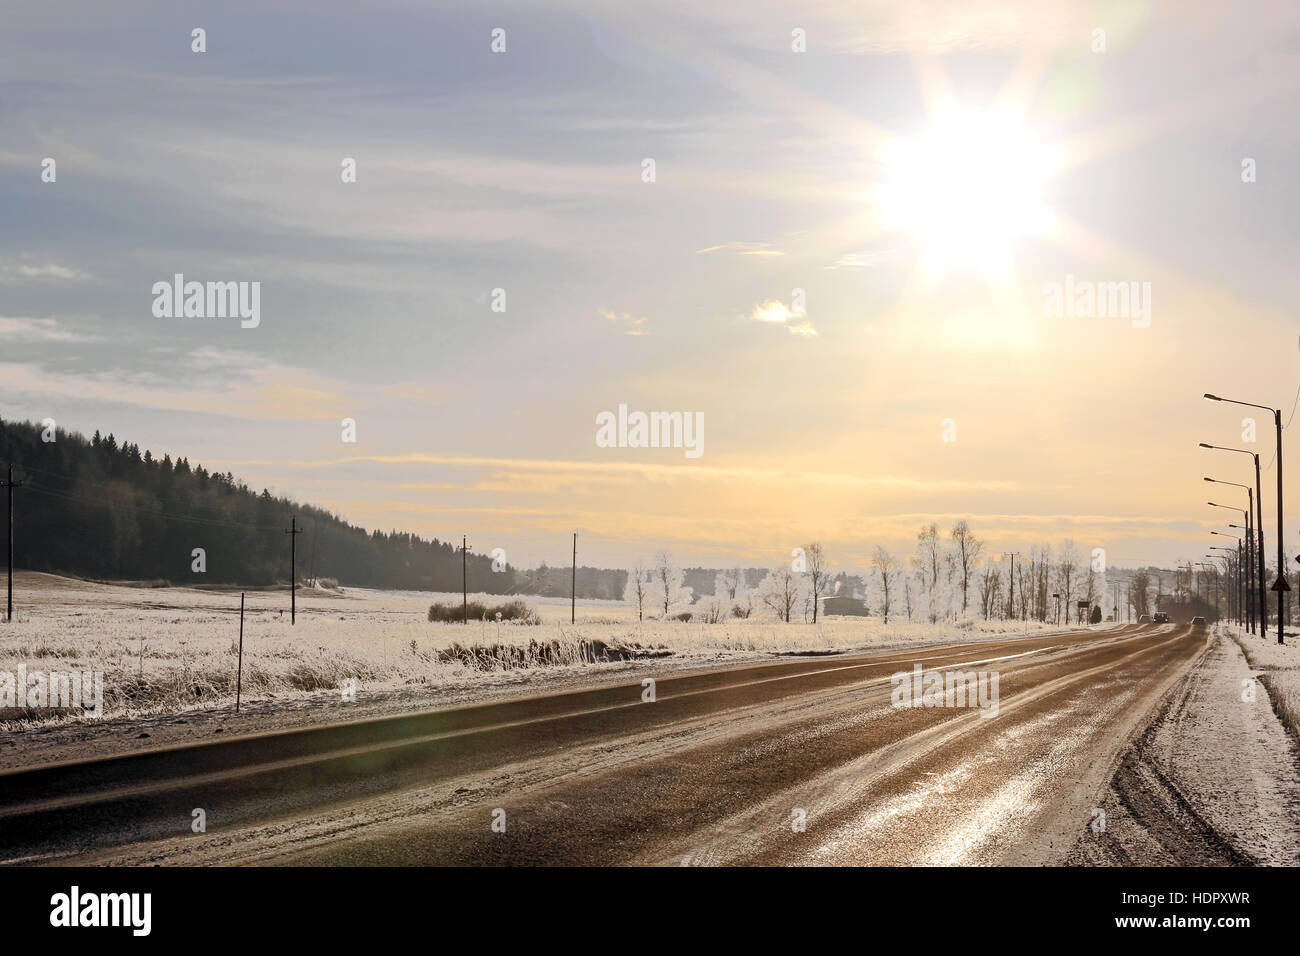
(1281, 559)
(1227, 564)
(1259, 532)
(1214, 582)
(1250, 555)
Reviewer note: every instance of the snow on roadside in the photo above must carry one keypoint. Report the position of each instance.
(1279, 670)
(1215, 780)
(1228, 754)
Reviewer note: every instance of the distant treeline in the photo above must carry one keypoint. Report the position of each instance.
(102, 509)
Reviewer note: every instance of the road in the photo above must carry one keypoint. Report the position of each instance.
(718, 769)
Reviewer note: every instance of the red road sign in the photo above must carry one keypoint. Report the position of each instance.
(1280, 584)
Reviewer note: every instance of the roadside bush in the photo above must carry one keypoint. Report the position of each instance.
(516, 612)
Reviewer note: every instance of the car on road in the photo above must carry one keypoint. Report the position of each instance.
(1144, 619)
(1162, 617)
(1198, 620)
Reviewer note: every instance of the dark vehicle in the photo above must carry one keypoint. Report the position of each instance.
(1162, 617)
(1198, 620)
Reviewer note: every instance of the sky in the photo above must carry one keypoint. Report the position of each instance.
(843, 262)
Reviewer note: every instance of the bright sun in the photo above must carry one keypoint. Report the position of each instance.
(966, 191)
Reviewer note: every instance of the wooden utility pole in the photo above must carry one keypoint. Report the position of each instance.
(464, 578)
(293, 531)
(239, 674)
(573, 588)
(10, 484)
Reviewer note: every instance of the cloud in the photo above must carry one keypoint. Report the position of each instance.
(626, 319)
(857, 261)
(209, 381)
(745, 249)
(617, 470)
(24, 329)
(23, 273)
(777, 313)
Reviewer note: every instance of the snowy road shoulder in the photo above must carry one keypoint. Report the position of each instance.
(1215, 780)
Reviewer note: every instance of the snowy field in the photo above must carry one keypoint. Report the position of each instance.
(172, 650)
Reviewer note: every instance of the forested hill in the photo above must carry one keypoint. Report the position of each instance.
(99, 509)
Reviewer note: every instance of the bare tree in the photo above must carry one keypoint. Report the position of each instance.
(928, 556)
(990, 582)
(734, 589)
(887, 568)
(635, 593)
(668, 584)
(1067, 575)
(780, 591)
(1138, 586)
(815, 561)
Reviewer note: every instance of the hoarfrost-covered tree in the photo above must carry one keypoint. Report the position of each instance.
(990, 583)
(713, 607)
(638, 589)
(781, 591)
(968, 548)
(1067, 575)
(928, 557)
(887, 568)
(1139, 586)
(734, 589)
(666, 585)
(815, 559)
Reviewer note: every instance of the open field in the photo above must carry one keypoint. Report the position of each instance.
(169, 650)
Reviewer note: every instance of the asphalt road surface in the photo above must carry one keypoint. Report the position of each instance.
(805, 761)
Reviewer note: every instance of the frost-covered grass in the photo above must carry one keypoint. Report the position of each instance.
(164, 650)
(1280, 669)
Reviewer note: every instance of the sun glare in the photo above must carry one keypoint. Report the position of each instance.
(967, 190)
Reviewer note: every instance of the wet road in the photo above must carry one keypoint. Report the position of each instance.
(802, 762)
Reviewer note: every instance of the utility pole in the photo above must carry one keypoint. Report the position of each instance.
(1281, 559)
(293, 531)
(573, 590)
(239, 673)
(10, 484)
(1012, 599)
(464, 578)
(1250, 520)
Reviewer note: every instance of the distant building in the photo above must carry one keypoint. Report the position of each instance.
(845, 606)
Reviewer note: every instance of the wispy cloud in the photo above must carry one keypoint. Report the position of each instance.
(24, 329)
(618, 469)
(209, 381)
(744, 249)
(22, 273)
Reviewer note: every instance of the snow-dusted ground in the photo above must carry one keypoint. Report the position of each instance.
(1215, 780)
(169, 655)
(1278, 666)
